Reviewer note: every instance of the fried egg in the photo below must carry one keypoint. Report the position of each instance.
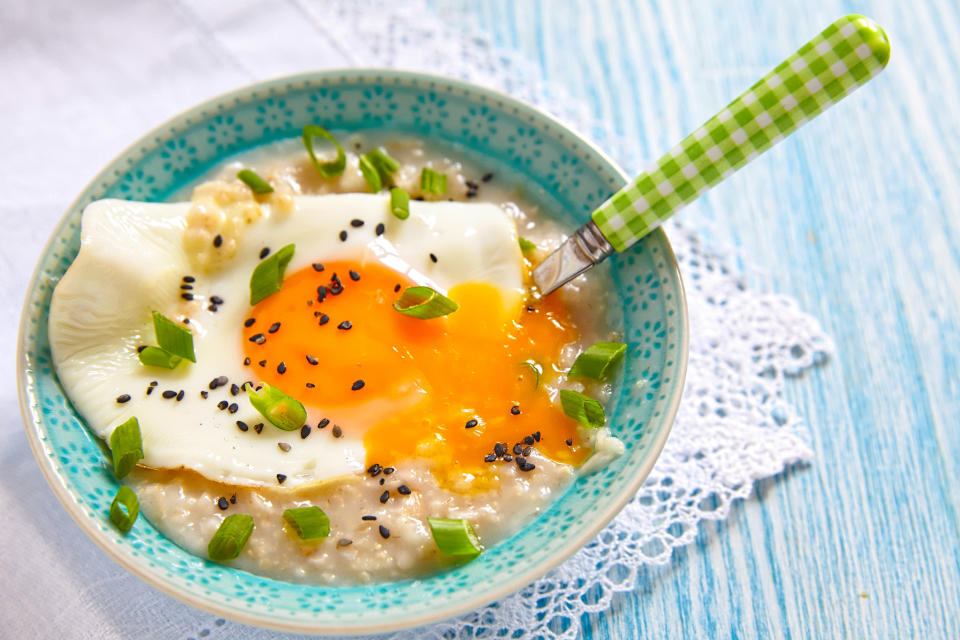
(378, 386)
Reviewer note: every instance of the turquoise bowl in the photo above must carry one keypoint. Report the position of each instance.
(559, 170)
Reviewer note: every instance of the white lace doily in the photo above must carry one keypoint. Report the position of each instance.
(733, 427)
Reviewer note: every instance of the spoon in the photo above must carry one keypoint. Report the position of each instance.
(841, 58)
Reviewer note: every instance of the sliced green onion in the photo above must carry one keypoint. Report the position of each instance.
(157, 357)
(424, 303)
(229, 540)
(173, 338)
(280, 409)
(433, 181)
(526, 246)
(125, 508)
(310, 523)
(267, 278)
(126, 447)
(400, 203)
(536, 369)
(583, 409)
(254, 181)
(384, 163)
(455, 537)
(598, 361)
(330, 169)
(370, 174)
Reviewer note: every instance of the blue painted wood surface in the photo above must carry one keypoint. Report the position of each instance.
(857, 218)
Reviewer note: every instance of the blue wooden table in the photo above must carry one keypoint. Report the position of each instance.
(857, 218)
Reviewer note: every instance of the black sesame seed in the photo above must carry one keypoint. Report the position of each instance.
(382, 480)
(471, 194)
(515, 410)
(374, 470)
(403, 490)
(357, 385)
(258, 427)
(527, 451)
(186, 321)
(310, 385)
(354, 275)
(258, 338)
(471, 424)
(490, 457)
(527, 466)
(262, 363)
(317, 267)
(433, 258)
(507, 458)
(517, 449)
(356, 223)
(536, 436)
(274, 328)
(264, 252)
(388, 471)
(219, 381)
(396, 288)
(531, 309)
(569, 442)
(312, 360)
(186, 296)
(487, 177)
(246, 362)
(150, 390)
(336, 289)
(123, 398)
(154, 383)
(304, 431)
(529, 440)
(343, 236)
(337, 431)
(499, 449)
(218, 240)
(223, 404)
(323, 423)
(203, 393)
(384, 496)
(344, 542)
(216, 299)
(473, 186)
(284, 446)
(281, 477)
(222, 503)
(169, 394)
(321, 293)
(189, 279)
(180, 395)
(249, 322)
(380, 229)
(242, 425)
(212, 308)
(234, 389)
(233, 408)
(521, 461)
(282, 368)
(346, 325)
(384, 532)
(186, 287)
(233, 499)
(141, 348)
(368, 518)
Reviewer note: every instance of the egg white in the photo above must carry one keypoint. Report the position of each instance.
(131, 262)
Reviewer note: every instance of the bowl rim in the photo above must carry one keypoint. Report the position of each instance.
(516, 581)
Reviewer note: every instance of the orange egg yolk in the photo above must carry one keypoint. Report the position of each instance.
(332, 339)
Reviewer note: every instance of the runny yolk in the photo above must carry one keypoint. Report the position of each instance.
(422, 381)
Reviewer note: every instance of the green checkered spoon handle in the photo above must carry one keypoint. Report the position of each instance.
(844, 56)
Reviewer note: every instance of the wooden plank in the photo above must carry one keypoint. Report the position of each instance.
(857, 217)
